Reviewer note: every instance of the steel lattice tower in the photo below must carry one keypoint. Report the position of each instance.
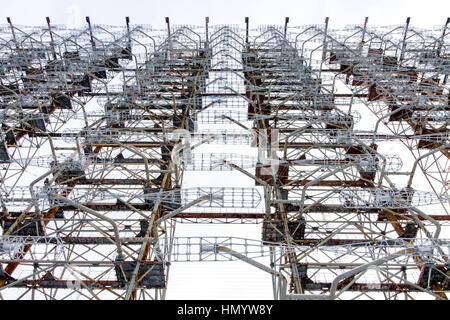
(348, 151)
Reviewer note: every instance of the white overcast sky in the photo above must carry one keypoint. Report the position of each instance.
(112, 12)
(224, 280)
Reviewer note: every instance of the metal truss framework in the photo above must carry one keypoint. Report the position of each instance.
(99, 125)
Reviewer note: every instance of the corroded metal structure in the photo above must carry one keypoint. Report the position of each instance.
(347, 138)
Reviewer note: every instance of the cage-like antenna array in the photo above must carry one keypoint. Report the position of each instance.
(348, 136)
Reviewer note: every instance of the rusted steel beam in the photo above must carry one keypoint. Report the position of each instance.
(69, 284)
(138, 144)
(383, 217)
(302, 242)
(366, 287)
(299, 145)
(331, 183)
(320, 208)
(84, 181)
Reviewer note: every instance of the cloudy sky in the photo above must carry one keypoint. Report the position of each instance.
(112, 12)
